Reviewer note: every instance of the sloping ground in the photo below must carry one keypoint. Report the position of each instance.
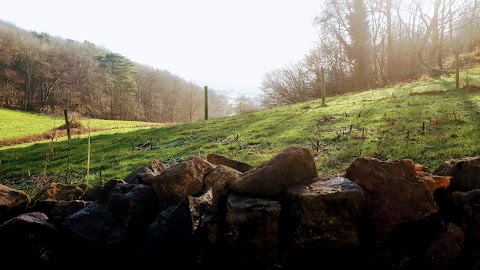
(14, 124)
(426, 121)
(18, 127)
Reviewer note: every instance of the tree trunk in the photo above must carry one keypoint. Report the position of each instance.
(432, 27)
(390, 55)
(441, 39)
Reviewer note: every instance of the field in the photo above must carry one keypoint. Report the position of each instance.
(427, 121)
(21, 127)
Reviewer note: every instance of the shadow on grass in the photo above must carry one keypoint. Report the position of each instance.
(474, 110)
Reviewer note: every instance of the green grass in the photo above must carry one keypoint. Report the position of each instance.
(14, 124)
(385, 124)
(17, 123)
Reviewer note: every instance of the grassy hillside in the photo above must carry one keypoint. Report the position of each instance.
(426, 121)
(17, 123)
(26, 126)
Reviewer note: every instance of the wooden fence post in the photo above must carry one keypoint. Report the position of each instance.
(457, 70)
(323, 86)
(206, 102)
(67, 123)
(88, 151)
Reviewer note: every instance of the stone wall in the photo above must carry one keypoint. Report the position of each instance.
(281, 214)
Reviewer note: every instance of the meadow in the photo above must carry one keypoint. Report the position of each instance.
(427, 121)
(22, 127)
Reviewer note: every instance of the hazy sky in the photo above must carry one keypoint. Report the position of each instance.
(220, 43)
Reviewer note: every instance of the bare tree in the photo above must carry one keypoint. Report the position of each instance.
(244, 105)
(287, 85)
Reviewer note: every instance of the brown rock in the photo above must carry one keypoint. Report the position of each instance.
(179, 181)
(154, 166)
(180, 234)
(219, 181)
(393, 193)
(102, 192)
(251, 229)
(12, 201)
(117, 223)
(273, 177)
(419, 167)
(221, 178)
(446, 168)
(29, 240)
(60, 192)
(445, 249)
(64, 209)
(462, 209)
(221, 160)
(325, 214)
(433, 182)
(465, 173)
(10, 197)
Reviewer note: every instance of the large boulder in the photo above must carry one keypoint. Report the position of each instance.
(63, 209)
(273, 177)
(325, 213)
(102, 192)
(60, 192)
(444, 251)
(462, 209)
(221, 160)
(95, 225)
(250, 233)
(12, 202)
(112, 232)
(181, 235)
(433, 182)
(219, 181)
(394, 195)
(153, 166)
(322, 221)
(29, 241)
(179, 181)
(465, 173)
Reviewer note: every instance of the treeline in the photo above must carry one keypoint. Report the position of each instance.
(43, 73)
(366, 44)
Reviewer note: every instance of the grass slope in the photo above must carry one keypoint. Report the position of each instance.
(19, 126)
(426, 121)
(18, 123)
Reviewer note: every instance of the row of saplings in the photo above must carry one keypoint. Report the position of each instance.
(214, 212)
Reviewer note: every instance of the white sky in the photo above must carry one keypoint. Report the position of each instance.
(224, 44)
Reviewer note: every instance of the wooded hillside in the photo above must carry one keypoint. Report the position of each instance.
(43, 73)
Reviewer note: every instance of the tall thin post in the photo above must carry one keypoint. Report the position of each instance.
(457, 70)
(206, 102)
(88, 150)
(323, 86)
(67, 123)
